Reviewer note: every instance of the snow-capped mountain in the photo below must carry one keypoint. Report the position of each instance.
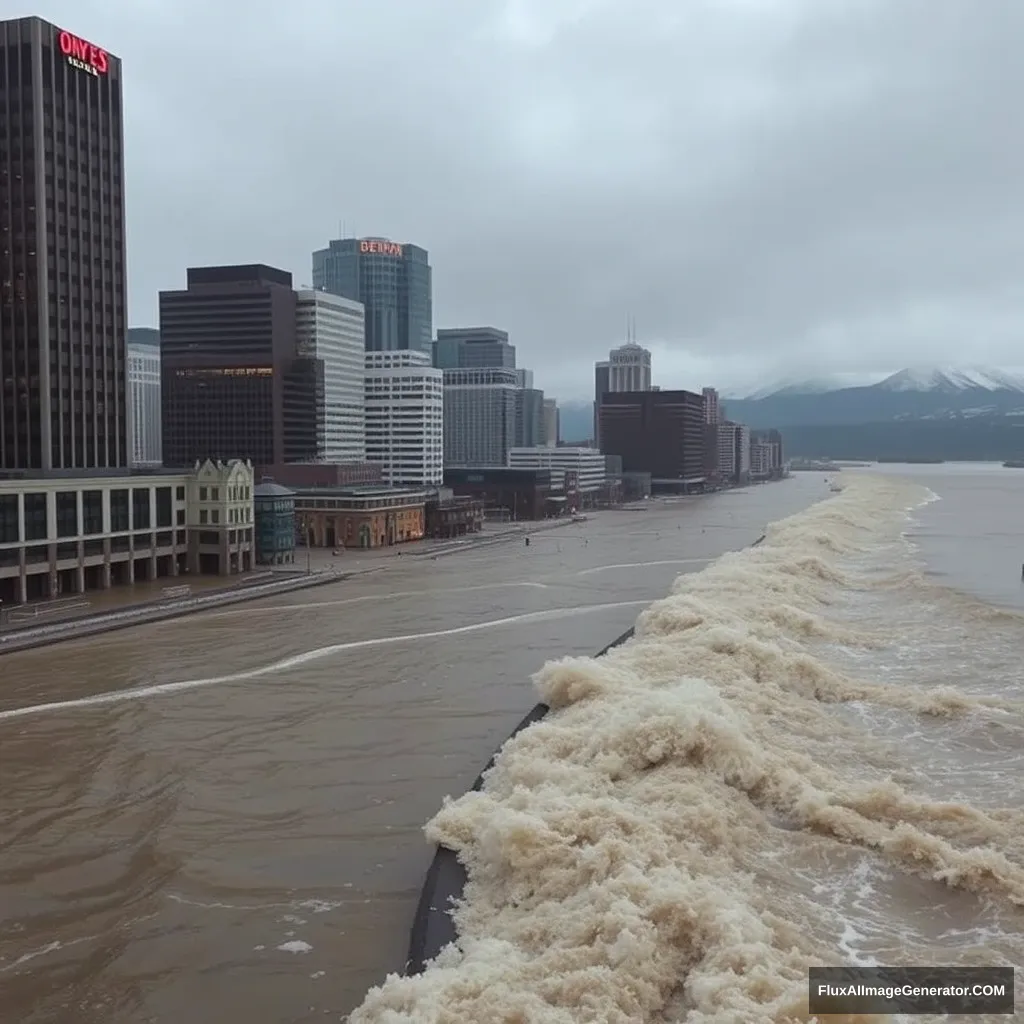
(923, 393)
(946, 378)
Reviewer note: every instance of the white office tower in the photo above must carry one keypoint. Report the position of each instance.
(629, 368)
(734, 451)
(145, 428)
(333, 330)
(712, 407)
(479, 415)
(405, 417)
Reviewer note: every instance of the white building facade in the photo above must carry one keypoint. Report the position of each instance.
(479, 415)
(404, 401)
(761, 458)
(61, 538)
(588, 464)
(734, 452)
(629, 368)
(333, 329)
(144, 414)
(712, 406)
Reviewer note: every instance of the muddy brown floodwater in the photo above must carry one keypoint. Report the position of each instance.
(219, 818)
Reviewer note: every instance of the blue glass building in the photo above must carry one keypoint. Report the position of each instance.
(274, 515)
(393, 281)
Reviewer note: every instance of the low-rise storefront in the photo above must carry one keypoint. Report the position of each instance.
(359, 517)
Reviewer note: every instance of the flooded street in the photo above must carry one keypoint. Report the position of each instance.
(219, 817)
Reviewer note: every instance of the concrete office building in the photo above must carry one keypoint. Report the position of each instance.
(479, 416)
(551, 424)
(629, 368)
(144, 412)
(405, 409)
(586, 465)
(734, 452)
(712, 406)
(62, 252)
(393, 282)
(67, 535)
(656, 432)
(463, 348)
(233, 382)
(332, 329)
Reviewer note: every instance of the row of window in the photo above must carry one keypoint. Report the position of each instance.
(129, 509)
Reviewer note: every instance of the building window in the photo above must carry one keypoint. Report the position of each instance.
(92, 512)
(180, 517)
(203, 517)
(215, 494)
(67, 513)
(202, 494)
(35, 516)
(180, 494)
(215, 516)
(140, 508)
(9, 519)
(118, 510)
(163, 507)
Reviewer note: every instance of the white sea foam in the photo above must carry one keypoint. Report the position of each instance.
(694, 824)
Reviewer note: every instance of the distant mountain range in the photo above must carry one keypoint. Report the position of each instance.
(912, 394)
(918, 413)
(922, 413)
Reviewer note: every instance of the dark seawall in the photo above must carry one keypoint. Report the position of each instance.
(433, 927)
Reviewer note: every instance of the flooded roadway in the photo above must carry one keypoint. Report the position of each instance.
(219, 817)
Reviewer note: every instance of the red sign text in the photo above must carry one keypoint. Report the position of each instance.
(382, 248)
(83, 55)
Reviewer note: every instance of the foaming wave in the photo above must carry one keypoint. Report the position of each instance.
(619, 850)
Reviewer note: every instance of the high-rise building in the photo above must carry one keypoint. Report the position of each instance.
(405, 418)
(529, 432)
(734, 452)
(63, 372)
(232, 383)
(656, 432)
(629, 368)
(464, 348)
(551, 431)
(331, 329)
(601, 372)
(479, 416)
(529, 411)
(712, 406)
(144, 413)
(393, 282)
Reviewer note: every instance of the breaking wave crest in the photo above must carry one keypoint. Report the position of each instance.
(718, 804)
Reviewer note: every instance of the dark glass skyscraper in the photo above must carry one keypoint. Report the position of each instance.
(393, 282)
(62, 252)
(233, 384)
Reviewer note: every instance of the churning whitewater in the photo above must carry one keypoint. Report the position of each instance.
(781, 769)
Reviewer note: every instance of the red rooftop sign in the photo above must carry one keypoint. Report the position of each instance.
(82, 54)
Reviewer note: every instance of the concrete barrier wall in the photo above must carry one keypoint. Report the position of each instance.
(432, 926)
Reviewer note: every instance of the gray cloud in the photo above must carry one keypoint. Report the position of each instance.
(808, 185)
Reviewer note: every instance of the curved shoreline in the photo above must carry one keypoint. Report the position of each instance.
(445, 881)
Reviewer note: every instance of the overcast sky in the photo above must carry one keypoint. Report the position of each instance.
(770, 187)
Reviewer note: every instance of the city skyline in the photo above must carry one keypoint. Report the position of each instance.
(770, 252)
